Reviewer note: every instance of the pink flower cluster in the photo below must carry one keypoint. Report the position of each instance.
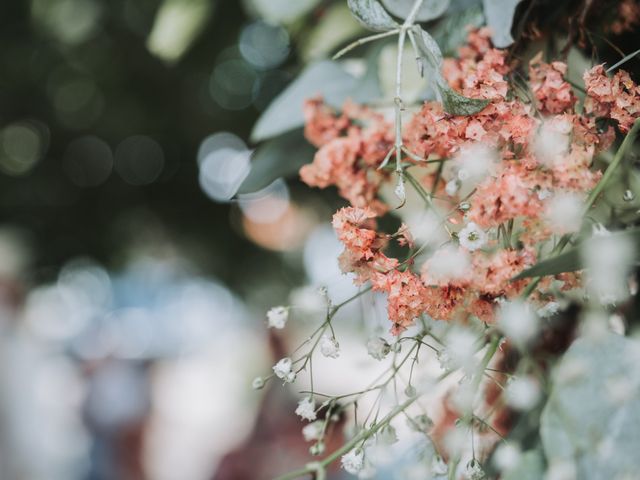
(540, 153)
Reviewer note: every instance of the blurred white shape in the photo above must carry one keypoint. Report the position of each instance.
(426, 227)
(88, 161)
(133, 330)
(219, 141)
(14, 252)
(518, 322)
(70, 21)
(118, 395)
(177, 24)
(266, 205)
(474, 162)
(232, 84)
(551, 141)
(22, 145)
(564, 212)
(139, 160)
(89, 278)
(280, 11)
(57, 313)
(448, 264)
(320, 262)
(203, 408)
(264, 46)
(39, 410)
(608, 259)
(222, 171)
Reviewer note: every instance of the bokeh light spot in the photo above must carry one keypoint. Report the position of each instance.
(139, 160)
(264, 46)
(21, 146)
(88, 161)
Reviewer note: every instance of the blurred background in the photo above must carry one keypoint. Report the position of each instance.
(132, 292)
(142, 242)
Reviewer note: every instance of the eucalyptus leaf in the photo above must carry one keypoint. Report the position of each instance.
(457, 104)
(592, 417)
(427, 47)
(572, 260)
(431, 56)
(279, 157)
(429, 10)
(372, 15)
(324, 78)
(451, 30)
(499, 15)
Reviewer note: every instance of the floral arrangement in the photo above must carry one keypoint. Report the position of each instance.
(508, 265)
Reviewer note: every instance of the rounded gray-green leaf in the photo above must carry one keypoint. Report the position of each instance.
(429, 10)
(372, 15)
(499, 15)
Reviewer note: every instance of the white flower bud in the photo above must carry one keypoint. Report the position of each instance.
(329, 347)
(378, 348)
(282, 369)
(277, 317)
(313, 431)
(258, 383)
(353, 461)
(306, 409)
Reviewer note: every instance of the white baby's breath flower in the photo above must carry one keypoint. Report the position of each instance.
(474, 471)
(474, 162)
(313, 431)
(329, 347)
(564, 213)
(452, 187)
(306, 409)
(523, 393)
(387, 435)
(472, 237)
(277, 317)
(368, 471)
(518, 322)
(378, 347)
(448, 264)
(282, 369)
(608, 259)
(353, 461)
(551, 142)
(507, 457)
(461, 345)
(544, 193)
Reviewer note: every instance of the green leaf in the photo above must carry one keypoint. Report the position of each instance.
(623, 61)
(572, 260)
(372, 15)
(431, 56)
(457, 104)
(451, 31)
(427, 48)
(279, 157)
(324, 78)
(569, 261)
(592, 417)
(429, 10)
(499, 15)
